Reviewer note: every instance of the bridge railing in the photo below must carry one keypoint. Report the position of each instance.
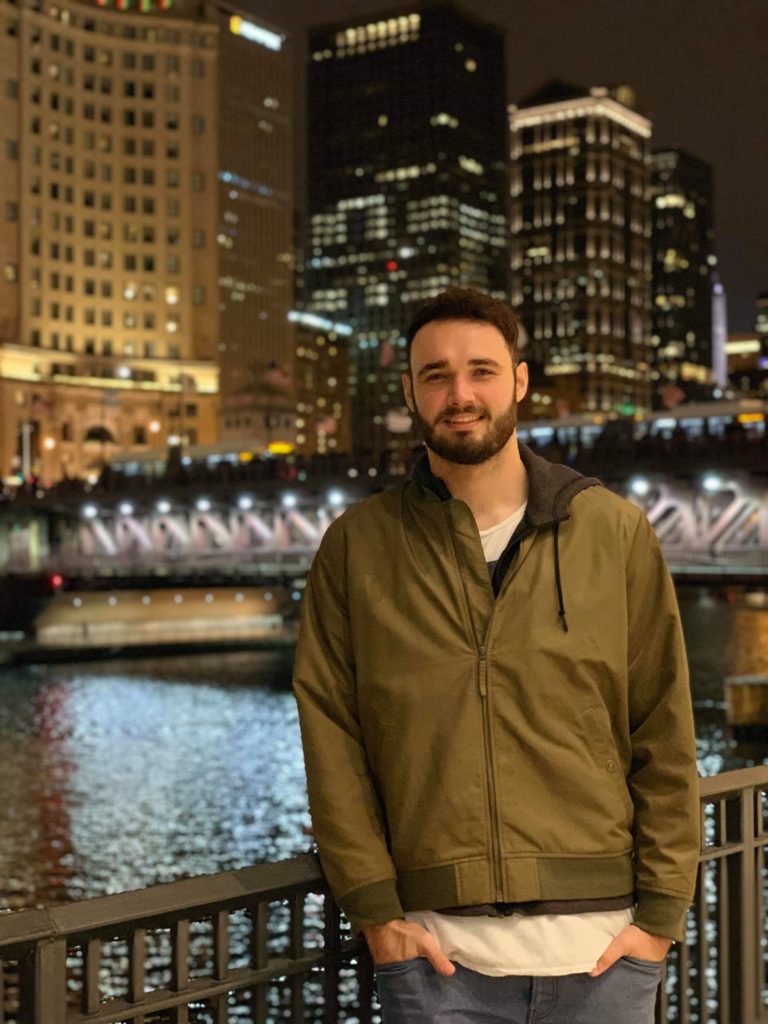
(268, 943)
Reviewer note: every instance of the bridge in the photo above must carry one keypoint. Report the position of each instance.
(711, 524)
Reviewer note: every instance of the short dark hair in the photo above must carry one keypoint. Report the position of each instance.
(466, 304)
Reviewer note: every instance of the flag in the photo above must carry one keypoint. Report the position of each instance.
(672, 395)
(277, 377)
(386, 354)
(326, 425)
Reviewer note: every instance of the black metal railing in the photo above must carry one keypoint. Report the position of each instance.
(267, 943)
(718, 975)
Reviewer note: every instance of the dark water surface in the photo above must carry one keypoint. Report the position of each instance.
(122, 774)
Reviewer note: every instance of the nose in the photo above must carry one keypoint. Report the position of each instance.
(460, 391)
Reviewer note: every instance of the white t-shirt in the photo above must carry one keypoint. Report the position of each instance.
(538, 944)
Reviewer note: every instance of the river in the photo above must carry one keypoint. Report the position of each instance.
(122, 774)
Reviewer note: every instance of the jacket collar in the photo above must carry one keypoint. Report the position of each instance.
(551, 487)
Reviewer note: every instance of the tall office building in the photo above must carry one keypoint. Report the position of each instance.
(581, 240)
(322, 400)
(681, 187)
(406, 187)
(111, 327)
(255, 231)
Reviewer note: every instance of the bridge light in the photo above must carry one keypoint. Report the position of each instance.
(125, 508)
(289, 500)
(335, 497)
(245, 502)
(203, 505)
(639, 486)
(90, 511)
(711, 483)
(163, 506)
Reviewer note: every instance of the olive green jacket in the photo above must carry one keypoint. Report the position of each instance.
(466, 748)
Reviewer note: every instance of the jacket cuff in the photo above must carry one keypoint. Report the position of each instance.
(372, 904)
(662, 915)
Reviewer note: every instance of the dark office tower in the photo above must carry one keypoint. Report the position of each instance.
(681, 187)
(581, 257)
(255, 231)
(407, 187)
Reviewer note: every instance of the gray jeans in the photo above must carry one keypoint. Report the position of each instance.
(411, 992)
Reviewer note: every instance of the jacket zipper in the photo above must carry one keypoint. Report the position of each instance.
(489, 770)
(482, 681)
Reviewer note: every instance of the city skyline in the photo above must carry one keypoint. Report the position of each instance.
(697, 73)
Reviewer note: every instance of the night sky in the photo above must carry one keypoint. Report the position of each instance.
(699, 69)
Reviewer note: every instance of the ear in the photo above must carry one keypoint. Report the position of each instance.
(408, 390)
(521, 385)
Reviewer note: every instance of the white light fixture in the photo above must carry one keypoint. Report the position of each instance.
(639, 486)
(711, 483)
(335, 498)
(90, 511)
(163, 506)
(289, 500)
(125, 508)
(245, 502)
(203, 505)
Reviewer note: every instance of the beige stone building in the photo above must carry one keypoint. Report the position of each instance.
(112, 211)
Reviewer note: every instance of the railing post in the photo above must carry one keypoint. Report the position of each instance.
(332, 945)
(43, 983)
(743, 936)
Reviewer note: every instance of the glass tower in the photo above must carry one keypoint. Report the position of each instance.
(581, 241)
(407, 188)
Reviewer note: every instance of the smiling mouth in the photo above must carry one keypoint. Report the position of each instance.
(462, 421)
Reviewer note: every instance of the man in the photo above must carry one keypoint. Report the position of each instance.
(495, 714)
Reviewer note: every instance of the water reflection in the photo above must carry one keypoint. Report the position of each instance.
(726, 634)
(120, 775)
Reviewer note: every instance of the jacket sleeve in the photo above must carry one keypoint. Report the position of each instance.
(663, 780)
(347, 817)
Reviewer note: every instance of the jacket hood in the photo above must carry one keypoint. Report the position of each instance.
(551, 487)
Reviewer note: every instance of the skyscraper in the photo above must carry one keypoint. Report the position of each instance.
(406, 187)
(255, 230)
(116, 214)
(681, 187)
(581, 257)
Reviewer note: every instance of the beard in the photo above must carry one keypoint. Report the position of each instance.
(463, 448)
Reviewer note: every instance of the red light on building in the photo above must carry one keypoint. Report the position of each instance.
(392, 264)
(56, 581)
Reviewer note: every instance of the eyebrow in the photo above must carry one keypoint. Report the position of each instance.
(442, 363)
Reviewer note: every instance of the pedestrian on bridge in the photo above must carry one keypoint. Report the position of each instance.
(495, 714)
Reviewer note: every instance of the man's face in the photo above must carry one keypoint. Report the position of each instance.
(464, 391)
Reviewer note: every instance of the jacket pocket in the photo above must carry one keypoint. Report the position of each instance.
(596, 729)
